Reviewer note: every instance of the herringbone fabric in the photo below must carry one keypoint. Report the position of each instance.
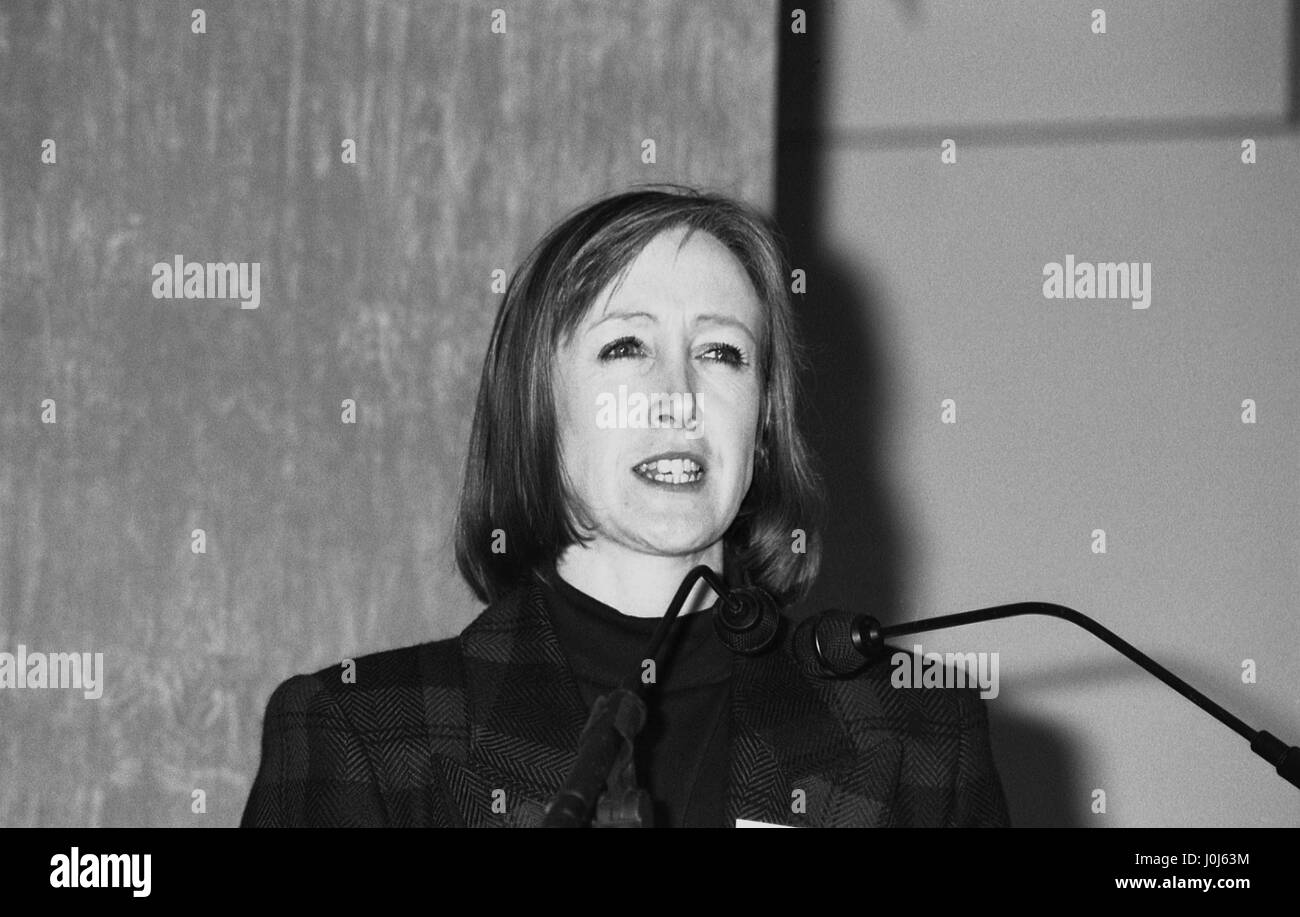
(480, 730)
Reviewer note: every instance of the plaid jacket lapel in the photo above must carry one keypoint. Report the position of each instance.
(525, 714)
(792, 760)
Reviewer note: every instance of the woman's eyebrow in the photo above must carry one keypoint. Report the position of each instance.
(622, 314)
(702, 319)
(729, 320)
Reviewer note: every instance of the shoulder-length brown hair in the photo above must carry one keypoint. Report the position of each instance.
(515, 512)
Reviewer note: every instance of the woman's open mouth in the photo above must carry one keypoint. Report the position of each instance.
(674, 470)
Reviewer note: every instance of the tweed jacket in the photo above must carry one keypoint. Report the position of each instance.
(481, 730)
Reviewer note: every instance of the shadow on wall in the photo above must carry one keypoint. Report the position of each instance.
(1038, 769)
(863, 559)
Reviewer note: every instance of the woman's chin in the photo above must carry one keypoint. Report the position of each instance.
(675, 541)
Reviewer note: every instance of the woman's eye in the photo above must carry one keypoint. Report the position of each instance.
(623, 347)
(631, 347)
(727, 353)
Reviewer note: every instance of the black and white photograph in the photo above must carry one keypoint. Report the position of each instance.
(650, 413)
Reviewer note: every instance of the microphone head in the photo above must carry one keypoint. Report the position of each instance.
(747, 621)
(825, 645)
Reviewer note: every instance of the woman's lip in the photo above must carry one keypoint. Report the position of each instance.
(669, 485)
(670, 456)
(676, 469)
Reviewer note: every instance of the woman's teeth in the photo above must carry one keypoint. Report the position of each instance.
(671, 471)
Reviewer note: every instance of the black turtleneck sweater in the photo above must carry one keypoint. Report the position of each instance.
(682, 754)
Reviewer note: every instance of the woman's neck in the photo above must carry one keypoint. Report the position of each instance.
(640, 585)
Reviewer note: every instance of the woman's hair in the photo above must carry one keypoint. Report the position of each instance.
(516, 512)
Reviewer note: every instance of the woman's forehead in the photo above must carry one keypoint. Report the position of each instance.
(674, 273)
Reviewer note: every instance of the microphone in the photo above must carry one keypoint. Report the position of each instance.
(838, 644)
(747, 620)
(605, 757)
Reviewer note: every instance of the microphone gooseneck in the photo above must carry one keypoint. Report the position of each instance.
(837, 644)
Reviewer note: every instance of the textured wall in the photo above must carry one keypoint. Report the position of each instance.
(323, 539)
(1071, 415)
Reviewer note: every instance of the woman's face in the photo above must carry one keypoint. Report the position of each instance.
(657, 398)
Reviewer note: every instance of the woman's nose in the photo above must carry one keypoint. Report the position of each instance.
(677, 381)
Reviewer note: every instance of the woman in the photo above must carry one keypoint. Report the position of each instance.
(635, 418)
